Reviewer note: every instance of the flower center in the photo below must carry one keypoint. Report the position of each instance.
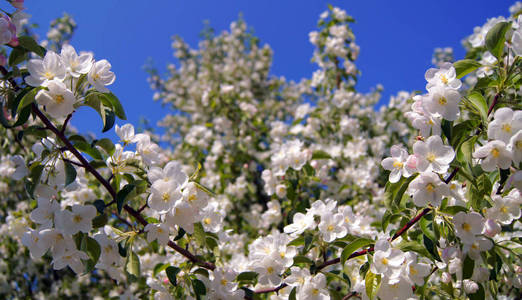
(315, 291)
(384, 261)
(495, 152)
(504, 210)
(224, 282)
(443, 100)
(413, 271)
(192, 197)
(330, 228)
(519, 145)
(431, 157)
(397, 164)
(59, 99)
(165, 197)
(49, 75)
(77, 219)
(506, 127)
(444, 79)
(207, 221)
(270, 270)
(430, 187)
(466, 227)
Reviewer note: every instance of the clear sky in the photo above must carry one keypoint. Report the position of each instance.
(397, 38)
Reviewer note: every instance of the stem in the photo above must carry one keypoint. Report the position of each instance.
(495, 101)
(85, 164)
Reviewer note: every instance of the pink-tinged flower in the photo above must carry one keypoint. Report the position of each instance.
(491, 228)
(18, 4)
(7, 31)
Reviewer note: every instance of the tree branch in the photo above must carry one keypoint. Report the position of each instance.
(85, 164)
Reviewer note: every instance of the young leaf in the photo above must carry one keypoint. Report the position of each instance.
(246, 276)
(171, 274)
(70, 173)
(372, 284)
(91, 247)
(133, 264)
(350, 248)
(480, 104)
(496, 37)
(27, 99)
(122, 195)
(30, 44)
(199, 287)
(116, 105)
(320, 154)
(465, 66)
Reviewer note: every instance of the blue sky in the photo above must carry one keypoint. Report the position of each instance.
(397, 38)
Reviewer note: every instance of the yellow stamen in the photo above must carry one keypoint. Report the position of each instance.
(430, 187)
(397, 165)
(466, 227)
(506, 127)
(444, 79)
(431, 157)
(495, 152)
(443, 101)
(59, 99)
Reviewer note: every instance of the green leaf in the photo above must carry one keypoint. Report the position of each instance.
(372, 282)
(106, 114)
(199, 287)
(158, 268)
(465, 66)
(30, 44)
(100, 221)
(91, 247)
(452, 210)
(109, 120)
(395, 191)
(293, 293)
(246, 276)
(299, 259)
(424, 225)
(171, 274)
(116, 105)
(133, 264)
(496, 37)
(447, 127)
(107, 145)
(199, 234)
(350, 248)
(297, 242)
(431, 247)
(27, 99)
(320, 154)
(100, 205)
(204, 189)
(70, 173)
(467, 268)
(480, 104)
(87, 149)
(122, 195)
(17, 56)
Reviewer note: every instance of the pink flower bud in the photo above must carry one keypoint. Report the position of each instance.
(445, 277)
(19, 4)
(491, 228)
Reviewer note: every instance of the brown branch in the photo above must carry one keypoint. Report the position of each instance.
(350, 295)
(64, 126)
(85, 164)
